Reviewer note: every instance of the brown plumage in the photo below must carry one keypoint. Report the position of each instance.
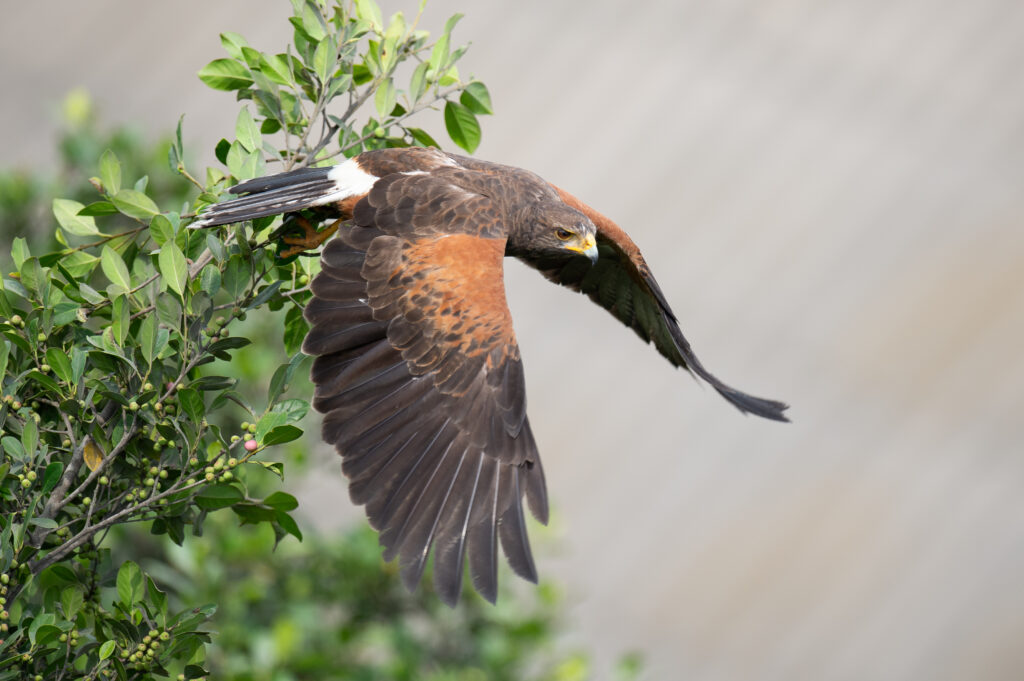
(417, 369)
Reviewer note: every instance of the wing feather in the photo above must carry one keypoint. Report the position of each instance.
(420, 379)
(621, 282)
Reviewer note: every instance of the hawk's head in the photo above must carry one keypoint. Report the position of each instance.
(552, 229)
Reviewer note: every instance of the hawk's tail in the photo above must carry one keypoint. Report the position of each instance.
(288, 192)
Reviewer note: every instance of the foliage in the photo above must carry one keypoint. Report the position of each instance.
(327, 609)
(113, 408)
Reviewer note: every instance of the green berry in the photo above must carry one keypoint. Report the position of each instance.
(41, 337)
(133, 405)
(26, 483)
(31, 475)
(45, 368)
(103, 480)
(86, 501)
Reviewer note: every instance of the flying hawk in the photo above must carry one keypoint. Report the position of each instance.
(417, 369)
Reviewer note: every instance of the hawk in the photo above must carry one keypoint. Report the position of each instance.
(417, 370)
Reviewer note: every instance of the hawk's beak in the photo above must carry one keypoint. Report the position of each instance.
(588, 248)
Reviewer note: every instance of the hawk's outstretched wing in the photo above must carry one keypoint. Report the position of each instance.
(621, 282)
(418, 372)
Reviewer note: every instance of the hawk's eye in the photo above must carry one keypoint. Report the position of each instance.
(563, 234)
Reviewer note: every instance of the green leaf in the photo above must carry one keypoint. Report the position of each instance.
(368, 10)
(59, 362)
(232, 343)
(30, 436)
(5, 351)
(120, 319)
(281, 434)
(277, 68)
(476, 98)
(216, 247)
(462, 126)
(233, 44)
(325, 59)
(44, 380)
(192, 403)
(418, 84)
(147, 337)
(66, 212)
(288, 524)
(110, 172)
(78, 358)
(80, 264)
(247, 132)
(267, 423)
(282, 501)
(209, 279)
(275, 467)
(439, 55)
(265, 294)
(13, 447)
(283, 374)
(161, 229)
(51, 476)
(135, 204)
(422, 138)
(71, 600)
(449, 25)
(173, 267)
(293, 409)
(245, 164)
(107, 649)
(129, 583)
(313, 22)
(235, 279)
(19, 252)
(218, 496)
(385, 97)
(225, 74)
(98, 208)
(295, 330)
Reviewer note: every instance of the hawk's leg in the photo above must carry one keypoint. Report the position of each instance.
(309, 239)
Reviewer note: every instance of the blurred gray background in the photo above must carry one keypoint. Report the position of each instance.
(832, 197)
